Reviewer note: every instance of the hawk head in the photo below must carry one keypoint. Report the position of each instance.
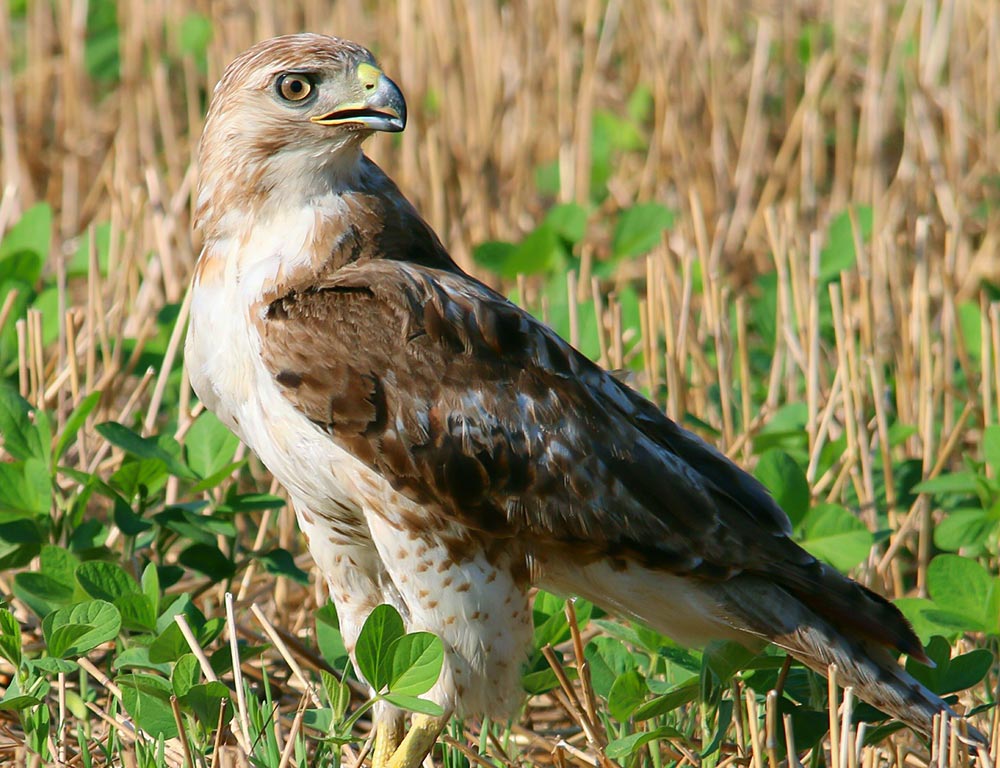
(287, 121)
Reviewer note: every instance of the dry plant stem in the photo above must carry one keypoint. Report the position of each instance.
(241, 700)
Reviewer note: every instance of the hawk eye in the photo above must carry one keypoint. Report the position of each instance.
(293, 87)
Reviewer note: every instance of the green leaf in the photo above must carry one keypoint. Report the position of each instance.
(195, 35)
(105, 581)
(101, 620)
(619, 749)
(151, 586)
(10, 638)
(962, 587)
(568, 221)
(18, 703)
(281, 563)
(608, 658)
(414, 704)
(143, 448)
(60, 564)
(374, 647)
(209, 560)
(627, 693)
(965, 529)
(31, 233)
(54, 665)
(991, 446)
(415, 663)
(75, 421)
(929, 620)
(964, 481)
(786, 481)
(950, 674)
(186, 674)
(137, 612)
(41, 592)
(209, 445)
(536, 254)
(494, 255)
(668, 702)
(62, 640)
(839, 254)
(639, 228)
(147, 699)
(21, 437)
(834, 535)
(20, 494)
(206, 700)
(328, 637)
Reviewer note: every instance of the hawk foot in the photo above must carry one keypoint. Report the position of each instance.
(415, 746)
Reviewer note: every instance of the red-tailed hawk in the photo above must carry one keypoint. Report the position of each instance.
(444, 451)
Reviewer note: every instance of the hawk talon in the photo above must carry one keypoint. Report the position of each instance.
(418, 742)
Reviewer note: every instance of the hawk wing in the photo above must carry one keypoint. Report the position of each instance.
(467, 405)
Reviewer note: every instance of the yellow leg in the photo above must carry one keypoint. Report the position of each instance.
(388, 735)
(418, 742)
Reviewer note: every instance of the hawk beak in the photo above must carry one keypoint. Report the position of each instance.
(383, 109)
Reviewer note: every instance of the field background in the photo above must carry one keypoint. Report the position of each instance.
(778, 219)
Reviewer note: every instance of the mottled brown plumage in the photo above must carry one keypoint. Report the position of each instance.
(444, 449)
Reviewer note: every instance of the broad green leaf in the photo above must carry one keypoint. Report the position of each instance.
(374, 647)
(963, 481)
(786, 481)
(151, 586)
(840, 254)
(414, 704)
(105, 581)
(668, 702)
(966, 529)
(24, 490)
(41, 592)
(619, 749)
(833, 534)
(281, 563)
(186, 674)
(607, 659)
(568, 221)
(32, 233)
(494, 255)
(950, 674)
(209, 560)
(101, 619)
(147, 699)
(63, 639)
(638, 229)
(928, 620)
(137, 612)
(54, 665)
(10, 638)
(21, 437)
(206, 699)
(962, 587)
(60, 564)
(18, 703)
(328, 637)
(627, 693)
(991, 446)
(75, 421)
(415, 664)
(143, 448)
(209, 445)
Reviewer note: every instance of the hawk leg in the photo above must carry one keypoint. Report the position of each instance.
(418, 742)
(388, 735)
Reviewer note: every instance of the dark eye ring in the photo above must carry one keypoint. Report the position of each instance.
(293, 86)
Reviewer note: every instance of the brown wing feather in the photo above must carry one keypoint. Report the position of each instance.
(469, 406)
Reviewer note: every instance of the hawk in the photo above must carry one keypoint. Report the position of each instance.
(444, 451)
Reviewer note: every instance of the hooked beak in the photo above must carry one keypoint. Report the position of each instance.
(383, 109)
